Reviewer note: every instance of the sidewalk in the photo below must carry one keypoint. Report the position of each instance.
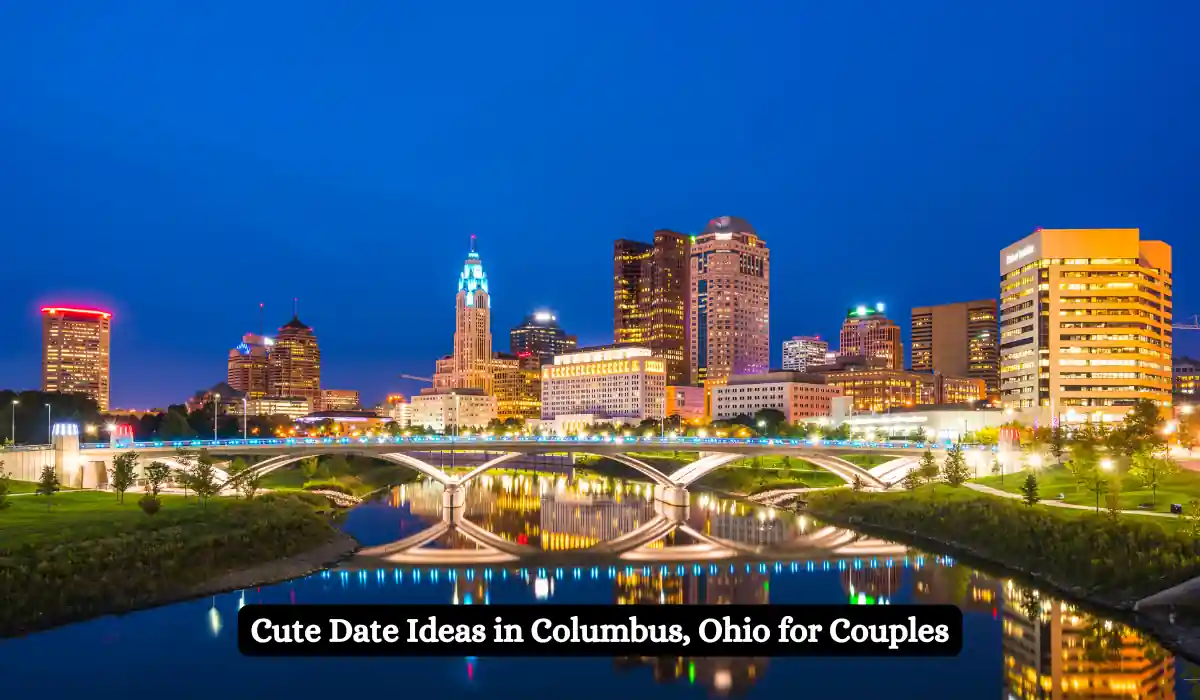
(1059, 504)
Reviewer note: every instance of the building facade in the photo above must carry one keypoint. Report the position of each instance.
(76, 352)
(1085, 324)
(461, 409)
(517, 386)
(867, 332)
(802, 352)
(686, 402)
(796, 395)
(650, 299)
(618, 384)
(396, 407)
(960, 340)
(340, 400)
(880, 390)
(470, 365)
(294, 364)
(1185, 377)
(729, 301)
(540, 336)
(248, 368)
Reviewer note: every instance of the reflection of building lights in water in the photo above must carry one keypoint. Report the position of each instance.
(242, 601)
(722, 680)
(542, 588)
(214, 619)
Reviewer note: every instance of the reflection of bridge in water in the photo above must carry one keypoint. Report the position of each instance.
(550, 527)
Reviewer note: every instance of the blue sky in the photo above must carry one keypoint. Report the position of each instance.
(183, 162)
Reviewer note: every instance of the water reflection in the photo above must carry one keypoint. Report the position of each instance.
(1019, 643)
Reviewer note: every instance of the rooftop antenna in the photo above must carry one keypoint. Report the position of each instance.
(295, 307)
(260, 319)
(472, 243)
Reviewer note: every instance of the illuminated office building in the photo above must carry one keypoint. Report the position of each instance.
(1185, 378)
(469, 366)
(794, 394)
(650, 299)
(879, 390)
(1085, 324)
(867, 332)
(339, 400)
(517, 386)
(294, 364)
(803, 352)
(540, 336)
(729, 306)
(248, 368)
(75, 352)
(960, 340)
(463, 409)
(624, 384)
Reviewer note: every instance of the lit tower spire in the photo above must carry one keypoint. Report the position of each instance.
(473, 327)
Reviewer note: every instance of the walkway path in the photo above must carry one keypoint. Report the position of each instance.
(1059, 504)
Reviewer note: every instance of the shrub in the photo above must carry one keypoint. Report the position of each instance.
(149, 504)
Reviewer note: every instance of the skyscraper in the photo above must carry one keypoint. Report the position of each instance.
(1085, 324)
(802, 352)
(867, 332)
(248, 368)
(729, 306)
(75, 352)
(540, 336)
(959, 339)
(650, 299)
(294, 364)
(473, 327)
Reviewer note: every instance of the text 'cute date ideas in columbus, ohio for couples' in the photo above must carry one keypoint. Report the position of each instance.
(600, 630)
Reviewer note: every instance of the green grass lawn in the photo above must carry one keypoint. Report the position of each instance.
(867, 461)
(1180, 487)
(15, 486)
(79, 515)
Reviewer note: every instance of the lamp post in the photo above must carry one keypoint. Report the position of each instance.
(216, 409)
(14, 421)
(245, 420)
(49, 426)
(1105, 464)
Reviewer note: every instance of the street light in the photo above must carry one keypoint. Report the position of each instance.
(1106, 464)
(245, 420)
(49, 426)
(14, 421)
(1035, 461)
(1185, 409)
(216, 410)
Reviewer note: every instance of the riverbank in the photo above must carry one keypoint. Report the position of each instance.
(187, 550)
(1088, 559)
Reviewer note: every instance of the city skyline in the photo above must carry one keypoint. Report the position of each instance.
(179, 199)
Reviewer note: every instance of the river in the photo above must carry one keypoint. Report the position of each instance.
(1018, 642)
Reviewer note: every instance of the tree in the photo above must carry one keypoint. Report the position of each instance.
(1112, 497)
(912, 480)
(175, 425)
(954, 468)
(4, 487)
(919, 435)
(1058, 443)
(1143, 426)
(184, 474)
(203, 477)
(857, 484)
(1029, 490)
(157, 474)
(928, 467)
(123, 473)
(48, 484)
(1191, 516)
(248, 479)
(308, 467)
(1151, 467)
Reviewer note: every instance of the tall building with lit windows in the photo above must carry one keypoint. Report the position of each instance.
(960, 340)
(729, 304)
(248, 366)
(540, 336)
(470, 365)
(868, 332)
(75, 352)
(1085, 324)
(650, 299)
(294, 364)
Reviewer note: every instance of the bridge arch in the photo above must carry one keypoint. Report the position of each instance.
(847, 471)
(280, 461)
(636, 464)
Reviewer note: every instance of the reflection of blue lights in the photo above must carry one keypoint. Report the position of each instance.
(467, 599)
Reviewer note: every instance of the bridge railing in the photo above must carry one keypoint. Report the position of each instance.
(676, 442)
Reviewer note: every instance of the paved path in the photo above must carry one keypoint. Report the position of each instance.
(1059, 504)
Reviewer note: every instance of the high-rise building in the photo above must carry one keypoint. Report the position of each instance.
(75, 352)
(650, 299)
(248, 368)
(802, 352)
(471, 368)
(867, 332)
(603, 385)
(517, 386)
(340, 400)
(294, 364)
(1085, 324)
(959, 339)
(729, 307)
(1185, 375)
(540, 336)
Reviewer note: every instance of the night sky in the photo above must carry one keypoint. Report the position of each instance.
(181, 162)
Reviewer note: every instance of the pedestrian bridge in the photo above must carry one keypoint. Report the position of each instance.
(86, 465)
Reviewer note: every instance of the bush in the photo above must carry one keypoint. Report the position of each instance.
(49, 585)
(1111, 559)
(149, 504)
